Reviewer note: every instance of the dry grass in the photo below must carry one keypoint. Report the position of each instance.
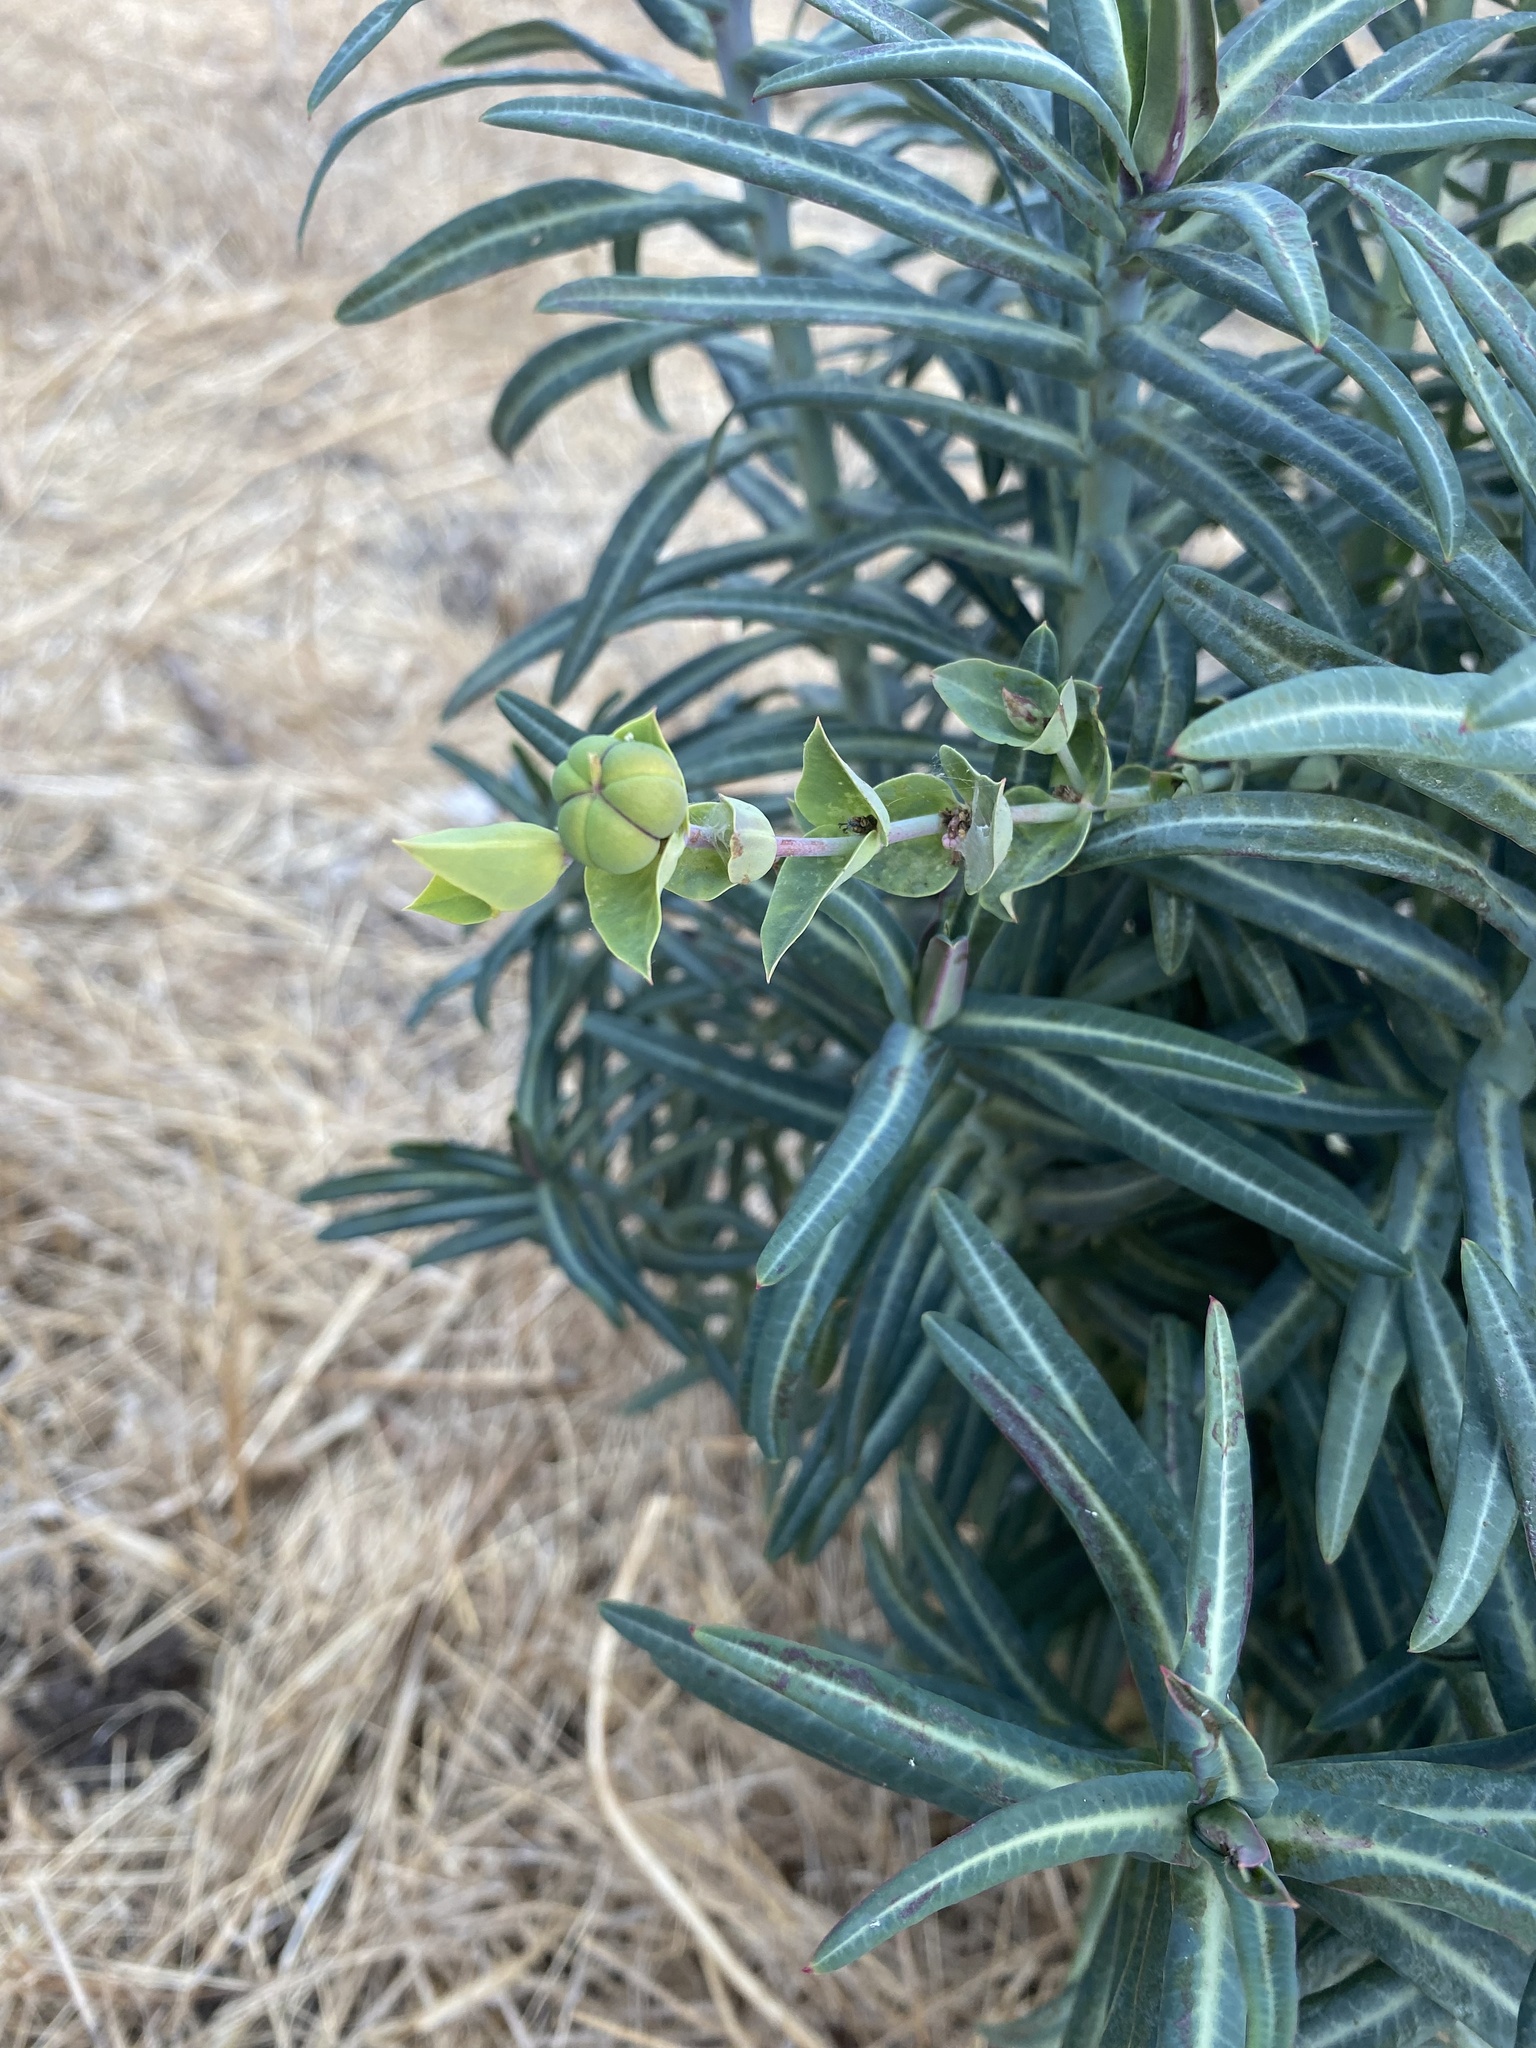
(301, 1547)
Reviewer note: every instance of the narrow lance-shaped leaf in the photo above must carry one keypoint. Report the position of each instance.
(1477, 1976)
(1337, 1840)
(892, 1094)
(1226, 276)
(1493, 305)
(1490, 1140)
(754, 301)
(1019, 437)
(1220, 1580)
(1227, 488)
(1200, 1156)
(1341, 831)
(1410, 127)
(1267, 51)
(1026, 1330)
(1142, 1814)
(1369, 709)
(1264, 1937)
(684, 23)
(1101, 52)
(1462, 1426)
(1268, 416)
(784, 1325)
(671, 1647)
(862, 914)
(568, 365)
(998, 113)
(502, 234)
(1179, 91)
(1508, 696)
(741, 1087)
(420, 95)
(980, 57)
(647, 520)
(994, 1761)
(1107, 659)
(1505, 415)
(1336, 917)
(977, 1611)
(1137, 1565)
(357, 44)
(1054, 1024)
(1375, 2006)
(1204, 2005)
(1421, 1220)
(887, 194)
(1280, 236)
(1506, 1341)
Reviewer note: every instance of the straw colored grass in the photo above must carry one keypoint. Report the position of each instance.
(301, 1547)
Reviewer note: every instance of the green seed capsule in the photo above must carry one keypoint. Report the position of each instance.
(619, 801)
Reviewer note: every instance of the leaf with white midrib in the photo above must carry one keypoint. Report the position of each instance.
(1144, 1812)
(1057, 1025)
(520, 227)
(1137, 1565)
(888, 194)
(892, 1094)
(754, 301)
(1198, 1156)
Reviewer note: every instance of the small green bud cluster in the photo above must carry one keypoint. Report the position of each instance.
(620, 801)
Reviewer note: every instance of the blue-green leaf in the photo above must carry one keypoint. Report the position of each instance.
(756, 301)
(1340, 831)
(1267, 51)
(1024, 1328)
(1337, 918)
(1280, 236)
(888, 194)
(1138, 1566)
(1370, 709)
(746, 1087)
(357, 44)
(502, 234)
(1230, 490)
(892, 1093)
(980, 57)
(1053, 1024)
(1372, 1353)
(1204, 2005)
(671, 1647)
(1475, 1975)
(1143, 1813)
(1199, 1156)
(1505, 1337)
(992, 1761)
(1331, 1839)
(1220, 1581)
(1241, 283)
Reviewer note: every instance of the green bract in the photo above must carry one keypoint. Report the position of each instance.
(480, 870)
(1111, 723)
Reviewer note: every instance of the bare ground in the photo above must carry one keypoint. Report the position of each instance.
(301, 1547)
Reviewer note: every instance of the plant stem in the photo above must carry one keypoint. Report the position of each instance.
(1104, 502)
(793, 356)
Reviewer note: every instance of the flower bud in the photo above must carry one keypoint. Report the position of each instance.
(620, 801)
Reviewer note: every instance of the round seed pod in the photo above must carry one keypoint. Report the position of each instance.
(619, 801)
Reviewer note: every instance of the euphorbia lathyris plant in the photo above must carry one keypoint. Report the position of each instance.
(1100, 982)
